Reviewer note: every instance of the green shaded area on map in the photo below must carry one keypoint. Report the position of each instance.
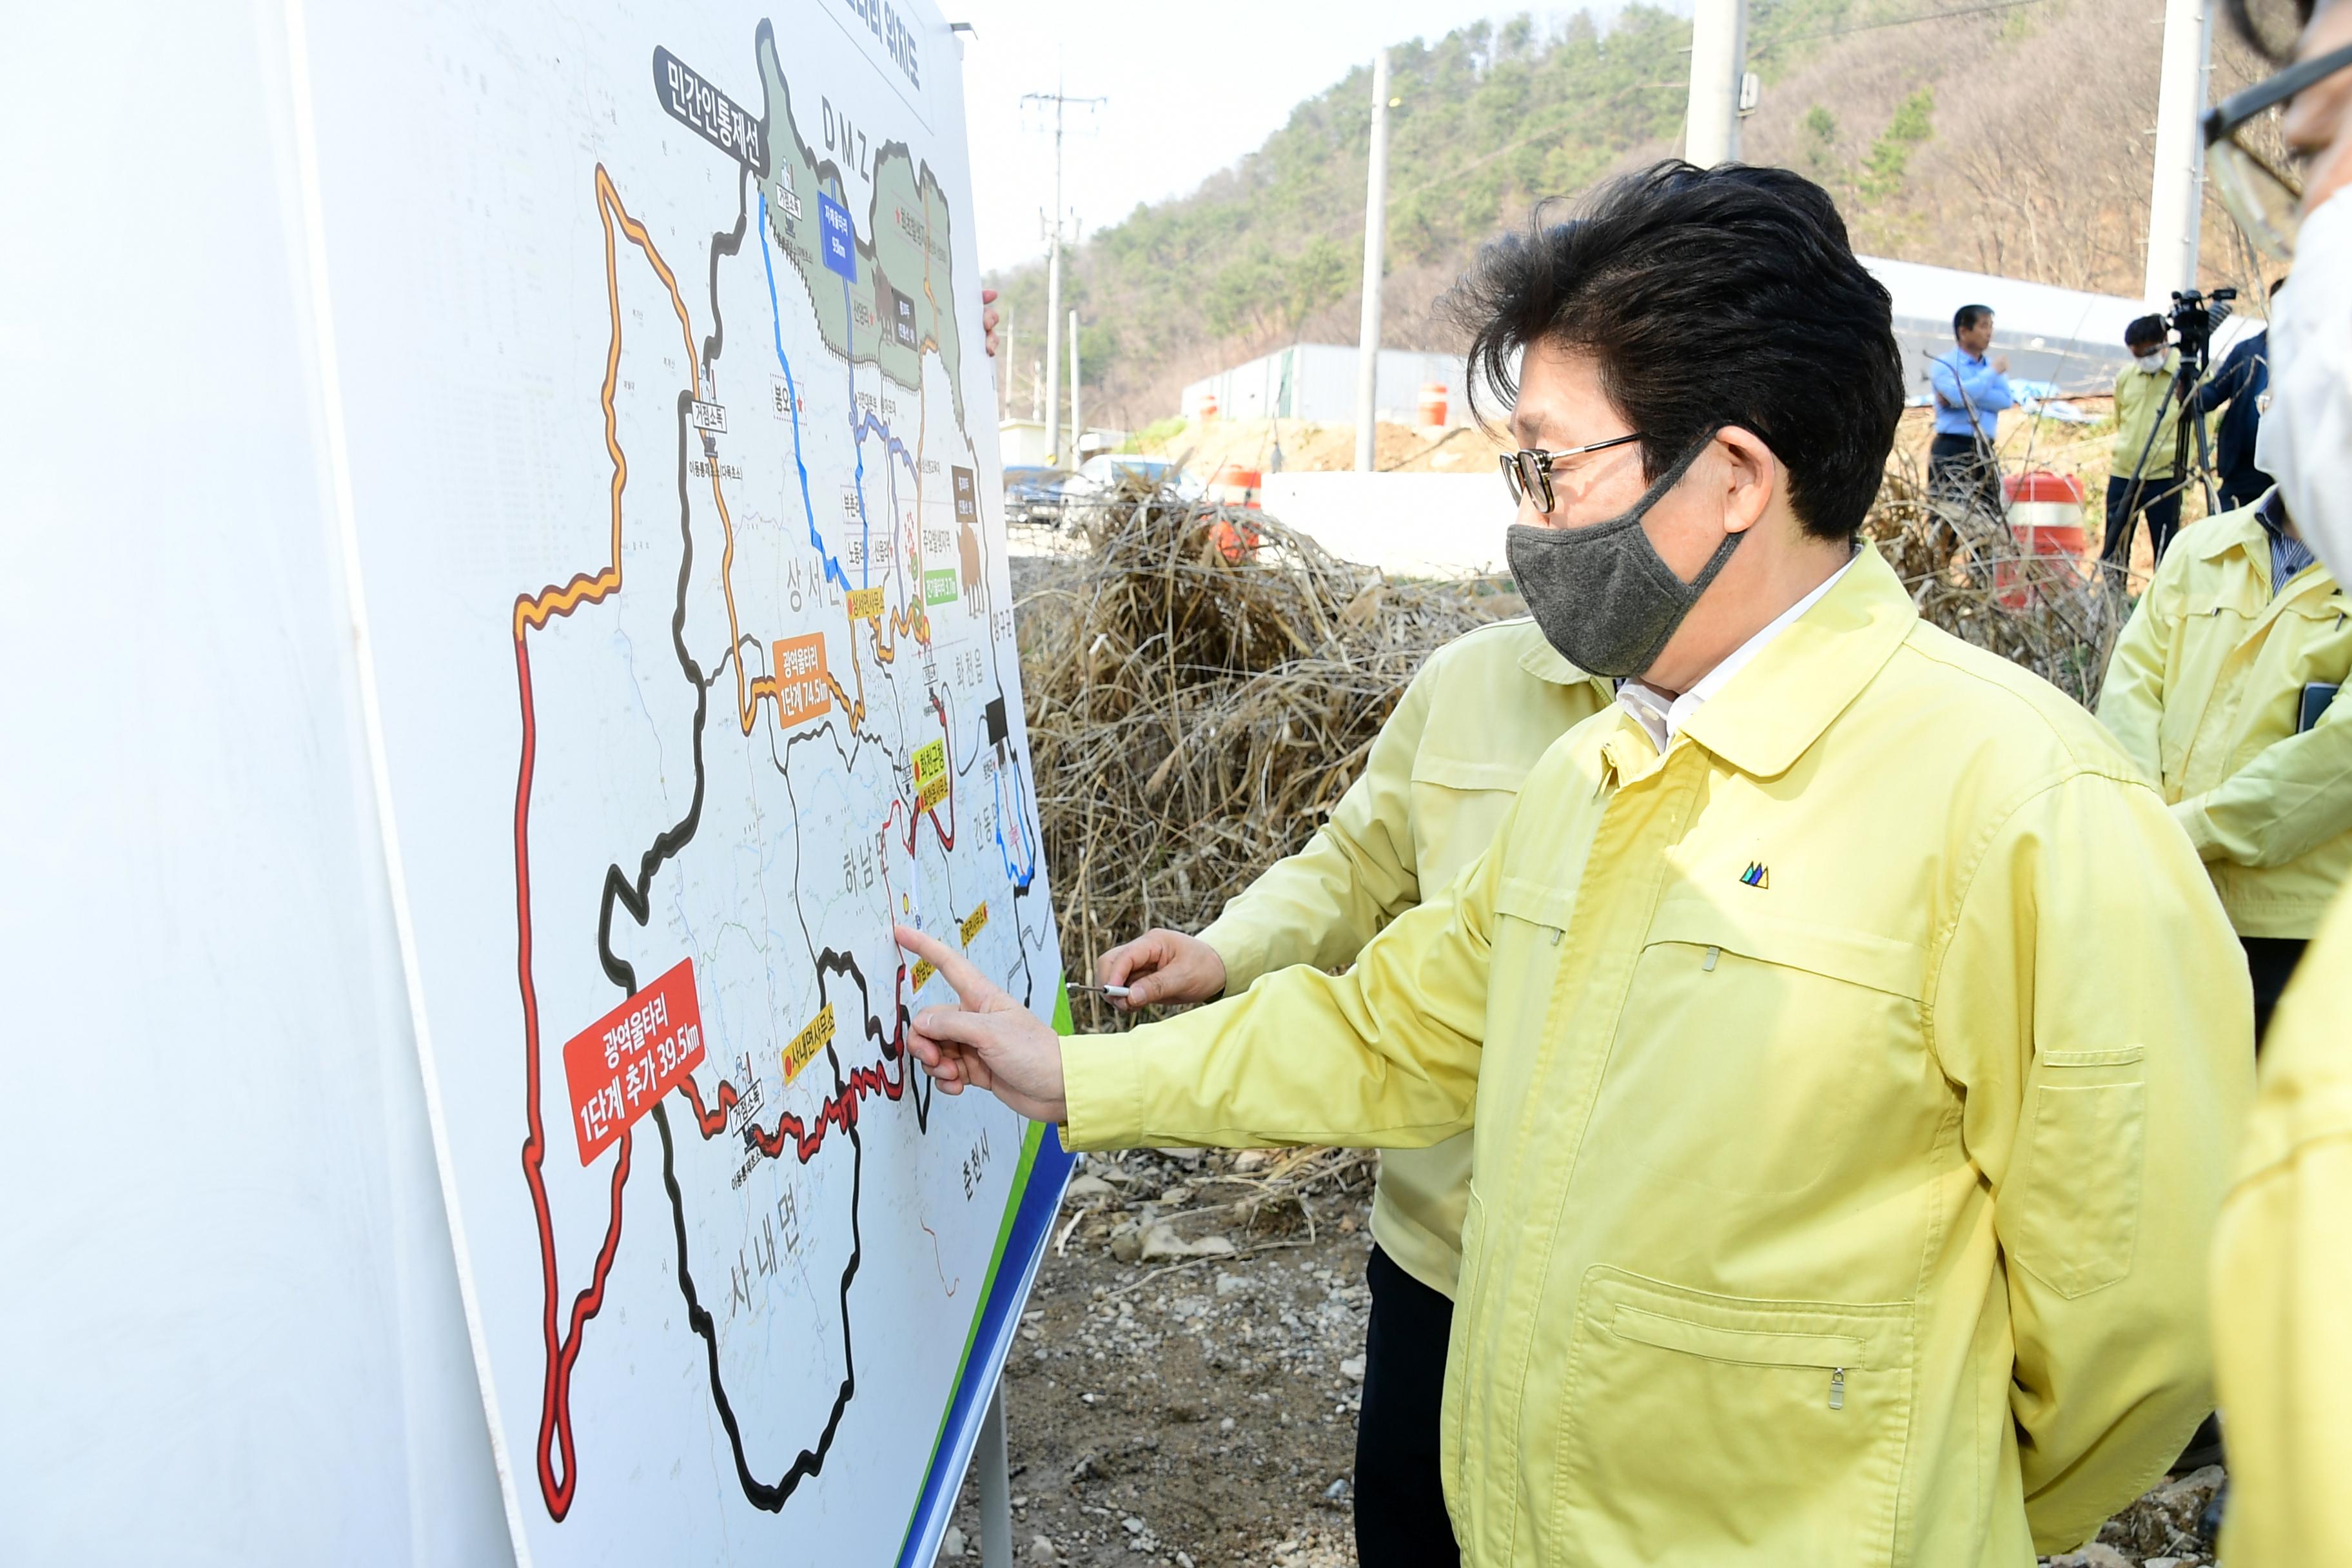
(902, 246)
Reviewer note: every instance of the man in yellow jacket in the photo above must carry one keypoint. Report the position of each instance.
(2140, 479)
(2283, 1256)
(1436, 785)
(2220, 688)
(1850, 1042)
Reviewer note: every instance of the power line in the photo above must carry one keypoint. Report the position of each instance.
(1898, 22)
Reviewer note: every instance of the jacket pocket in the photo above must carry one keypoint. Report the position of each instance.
(1702, 1429)
(1531, 929)
(2070, 1210)
(1805, 1036)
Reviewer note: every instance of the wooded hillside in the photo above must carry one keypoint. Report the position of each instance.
(2011, 136)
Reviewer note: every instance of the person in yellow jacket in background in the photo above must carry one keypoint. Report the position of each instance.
(2140, 480)
(1440, 776)
(1852, 1045)
(2221, 688)
(2281, 1271)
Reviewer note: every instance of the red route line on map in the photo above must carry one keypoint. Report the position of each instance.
(533, 613)
(839, 1110)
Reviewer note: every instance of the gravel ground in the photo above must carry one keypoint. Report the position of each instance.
(1191, 1409)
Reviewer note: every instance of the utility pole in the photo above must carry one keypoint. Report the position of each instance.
(1719, 61)
(1060, 101)
(2176, 201)
(1077, 426)
(1005, 377)
(1368, 335)
(1054, 315)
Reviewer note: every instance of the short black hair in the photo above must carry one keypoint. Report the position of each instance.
(1968, 316)
(2146, 330)
(1709, 297)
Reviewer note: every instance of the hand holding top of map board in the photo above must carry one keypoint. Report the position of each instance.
(992, 1042)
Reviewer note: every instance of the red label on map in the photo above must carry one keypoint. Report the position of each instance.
(624, 1061)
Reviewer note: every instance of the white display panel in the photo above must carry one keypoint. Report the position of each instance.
(547, 508)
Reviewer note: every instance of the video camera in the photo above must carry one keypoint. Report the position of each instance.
(2192, 318)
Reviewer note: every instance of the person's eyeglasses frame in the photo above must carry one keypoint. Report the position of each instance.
(1527, 472)
(2226, 120)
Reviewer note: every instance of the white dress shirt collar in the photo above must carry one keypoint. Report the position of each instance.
(1663, 717)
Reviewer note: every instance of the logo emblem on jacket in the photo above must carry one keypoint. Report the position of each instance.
(1758, 875)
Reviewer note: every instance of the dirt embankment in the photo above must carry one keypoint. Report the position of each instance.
(1308, 449)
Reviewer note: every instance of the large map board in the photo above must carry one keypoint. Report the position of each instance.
(655, 356)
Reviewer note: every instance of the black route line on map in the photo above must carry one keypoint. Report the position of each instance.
(635, 899)
(665, 845)
(726, 242)
(809, 1461)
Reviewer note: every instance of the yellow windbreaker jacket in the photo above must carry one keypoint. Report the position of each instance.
(1815, 1069)
(2205, 690)
(2138, 394)
(2283, 1277)
(1437, 782)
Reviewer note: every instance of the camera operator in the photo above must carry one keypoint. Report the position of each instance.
(2282, 1257)
(2240, 384)
(2140, 480)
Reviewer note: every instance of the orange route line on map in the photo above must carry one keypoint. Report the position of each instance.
(533, 613)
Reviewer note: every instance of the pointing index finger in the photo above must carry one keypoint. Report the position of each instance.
(972, 988)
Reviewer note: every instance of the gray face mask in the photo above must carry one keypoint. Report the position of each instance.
(1602, 594)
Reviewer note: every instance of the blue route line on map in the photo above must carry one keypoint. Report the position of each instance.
(776, 319)
(849, 364)
(861, 422)
(1020, 877)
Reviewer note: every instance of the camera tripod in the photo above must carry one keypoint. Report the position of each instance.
(2193, 318)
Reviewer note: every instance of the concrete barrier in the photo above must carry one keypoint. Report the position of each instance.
(1409, 525)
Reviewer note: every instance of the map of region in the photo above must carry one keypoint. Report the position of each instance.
(747, 1283)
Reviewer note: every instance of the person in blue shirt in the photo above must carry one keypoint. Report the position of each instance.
(1970, 392)
(2242, 382)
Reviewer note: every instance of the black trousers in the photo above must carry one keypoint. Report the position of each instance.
(1400, 1519)
(1961, 468)
(2159, 502)
(2242, 489)
(2270, 961)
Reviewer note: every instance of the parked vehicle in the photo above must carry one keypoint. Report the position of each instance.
(1033, 496)
(1099, 475)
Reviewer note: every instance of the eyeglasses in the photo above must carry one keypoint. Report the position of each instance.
(2262, 189)
(1529, 473)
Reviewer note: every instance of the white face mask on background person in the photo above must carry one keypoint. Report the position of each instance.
(2149, 362)
(2304, 442)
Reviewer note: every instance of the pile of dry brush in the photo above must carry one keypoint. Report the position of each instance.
(1194, 717)
(1969, 575)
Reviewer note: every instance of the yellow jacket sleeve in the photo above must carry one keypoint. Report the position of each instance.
(1384, 1056)
(2102, 1116)
(2283, 1275)
(2131, 698)
(1357, 874)
(2295, 795)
